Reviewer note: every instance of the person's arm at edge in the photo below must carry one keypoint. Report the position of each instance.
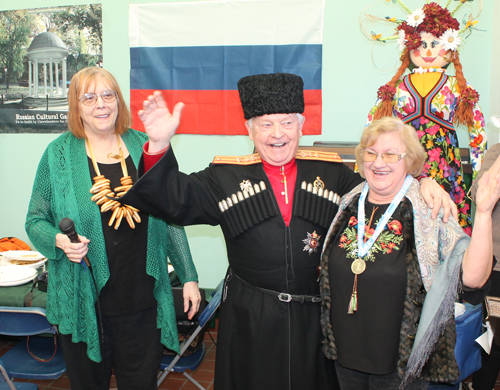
(181, 258)
(491, 161)
(478, 259)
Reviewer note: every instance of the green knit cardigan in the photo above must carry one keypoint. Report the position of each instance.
(61, 189)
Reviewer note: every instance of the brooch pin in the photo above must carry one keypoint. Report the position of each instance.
(245, 185)
(312, 242)
(318, 183)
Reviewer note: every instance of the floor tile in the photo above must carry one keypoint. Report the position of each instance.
(203, 375)
(207, 365)
(61, 383)
(190, 386)
(172, 383)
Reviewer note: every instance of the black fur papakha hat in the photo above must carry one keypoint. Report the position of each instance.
(276, 93)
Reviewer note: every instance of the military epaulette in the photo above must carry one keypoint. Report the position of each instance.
(238, 160)
(255, 158)
(318, 155)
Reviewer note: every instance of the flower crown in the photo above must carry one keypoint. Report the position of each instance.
(431, 18)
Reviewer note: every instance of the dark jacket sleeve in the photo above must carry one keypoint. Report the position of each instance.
(166, 193)
(350, 179)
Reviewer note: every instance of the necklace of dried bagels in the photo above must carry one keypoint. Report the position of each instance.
(102, 189)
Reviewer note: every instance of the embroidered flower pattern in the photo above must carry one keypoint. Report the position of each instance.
(387, 241)
(395, 226)
(353, 221)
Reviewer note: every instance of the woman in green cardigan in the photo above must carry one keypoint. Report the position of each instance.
(117, 313)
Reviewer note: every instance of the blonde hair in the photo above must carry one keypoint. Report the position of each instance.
(415, 153)
(79, 84)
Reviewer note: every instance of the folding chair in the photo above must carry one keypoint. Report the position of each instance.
(20, 361)
(180, 363)
(7, 384)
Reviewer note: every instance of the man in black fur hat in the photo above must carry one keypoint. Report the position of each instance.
(274, 208)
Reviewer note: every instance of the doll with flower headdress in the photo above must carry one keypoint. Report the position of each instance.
(432, 101)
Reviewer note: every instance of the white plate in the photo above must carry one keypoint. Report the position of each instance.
(13, 275)
(32, 264)
(23, 255)
(17, 282)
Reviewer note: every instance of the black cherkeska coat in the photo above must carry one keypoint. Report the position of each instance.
(263, 343)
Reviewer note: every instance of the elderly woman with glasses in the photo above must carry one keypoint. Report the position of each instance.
(390, 274)
(116, 311)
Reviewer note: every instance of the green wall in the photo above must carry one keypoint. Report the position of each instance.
(350, 82)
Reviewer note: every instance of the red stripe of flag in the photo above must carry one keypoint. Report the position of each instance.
(204, 113)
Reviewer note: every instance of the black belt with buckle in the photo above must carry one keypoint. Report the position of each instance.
(283, 297)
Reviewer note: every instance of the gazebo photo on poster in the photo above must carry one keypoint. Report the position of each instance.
(41, 50)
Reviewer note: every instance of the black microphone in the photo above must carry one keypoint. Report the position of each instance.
(67, 226)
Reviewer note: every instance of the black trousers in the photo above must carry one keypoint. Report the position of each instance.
(486, 377)
(132, 349)
(356, 380)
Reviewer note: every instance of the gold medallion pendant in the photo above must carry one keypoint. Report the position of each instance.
(358, 266)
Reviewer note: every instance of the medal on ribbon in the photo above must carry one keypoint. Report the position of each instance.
(358, 266)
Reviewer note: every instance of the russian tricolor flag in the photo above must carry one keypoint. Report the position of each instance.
(196, 52)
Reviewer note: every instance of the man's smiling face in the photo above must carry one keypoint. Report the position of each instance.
(275, 136)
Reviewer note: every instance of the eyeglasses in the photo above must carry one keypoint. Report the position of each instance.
(90, 99)
(390, 158)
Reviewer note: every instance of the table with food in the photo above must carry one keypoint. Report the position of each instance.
(19, 270)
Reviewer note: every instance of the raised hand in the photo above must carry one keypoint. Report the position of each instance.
(478, 260)
(159, 123)
(488, 193)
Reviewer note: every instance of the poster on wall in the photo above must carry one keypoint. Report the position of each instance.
(177, 49)
(40, 50)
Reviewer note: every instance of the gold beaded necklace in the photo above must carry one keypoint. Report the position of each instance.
(102, 190)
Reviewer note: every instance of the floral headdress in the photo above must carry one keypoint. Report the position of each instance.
(440, 22)
(431, 18)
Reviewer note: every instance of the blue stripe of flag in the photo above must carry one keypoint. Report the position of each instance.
(220, 67)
